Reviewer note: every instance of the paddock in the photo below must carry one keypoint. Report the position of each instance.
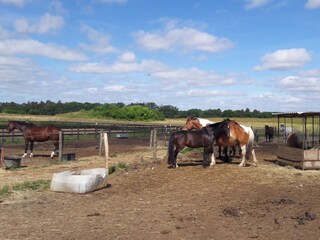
(150, 201)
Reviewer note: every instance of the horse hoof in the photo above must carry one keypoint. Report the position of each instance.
(172, 166)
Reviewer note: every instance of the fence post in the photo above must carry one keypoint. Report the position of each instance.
(60, 145)
(106, 147)
(100, 144)
(154, 144)
(151, 138)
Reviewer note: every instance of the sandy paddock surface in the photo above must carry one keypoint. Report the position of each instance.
(151, 201)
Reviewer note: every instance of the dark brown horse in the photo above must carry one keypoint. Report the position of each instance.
(269, 131)
(204, 137)
(33, 133)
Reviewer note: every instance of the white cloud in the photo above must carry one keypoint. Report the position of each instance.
(185, 38)
(18, 3)
(312, 4)
(4, 33)
(306, 85)
(100, 42)
(256, 3)
(204, 93)
(47, 24)
(33, 47)
(193, 77)
(93, 90)
(118, 67)
(127, 57)
(284, 59)
(20, 75)
(120, 89)
(311, 73)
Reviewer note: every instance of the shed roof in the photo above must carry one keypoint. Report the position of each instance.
(298, 114)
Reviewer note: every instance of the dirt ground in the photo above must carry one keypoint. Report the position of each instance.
(150, 201)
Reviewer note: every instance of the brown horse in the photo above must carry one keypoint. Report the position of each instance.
(33, 133)
(205, 137)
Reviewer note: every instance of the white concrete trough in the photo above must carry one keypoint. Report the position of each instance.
(80, 182)
(122, 135)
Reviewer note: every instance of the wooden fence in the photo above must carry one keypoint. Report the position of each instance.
(78, 130)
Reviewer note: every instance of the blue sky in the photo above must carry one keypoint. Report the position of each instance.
(207, 54)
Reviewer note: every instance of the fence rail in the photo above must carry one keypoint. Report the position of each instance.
(94, 130)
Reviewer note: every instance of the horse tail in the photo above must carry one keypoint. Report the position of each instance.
(171, 149)
(249, 146)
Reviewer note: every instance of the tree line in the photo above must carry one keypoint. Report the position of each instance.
(132, 111)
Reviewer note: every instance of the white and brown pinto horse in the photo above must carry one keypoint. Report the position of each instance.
(243, 136)
(239, 135)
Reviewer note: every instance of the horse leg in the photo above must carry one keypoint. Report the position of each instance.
(226, 155)
(208, 157)
(243, 156)
(255, 161)
(31, 148)
(205, 161)
(56, 149)
(219, 157)
(212, 158)
(26, 145)
(176, 151)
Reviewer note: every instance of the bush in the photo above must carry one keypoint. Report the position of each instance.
(130, 113)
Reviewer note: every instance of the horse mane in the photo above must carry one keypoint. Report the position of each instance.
(23, 123)
(233, 121)
(225, 121)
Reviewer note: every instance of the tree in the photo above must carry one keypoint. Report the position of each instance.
(169, 111)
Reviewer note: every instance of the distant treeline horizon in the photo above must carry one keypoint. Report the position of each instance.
(132, 111)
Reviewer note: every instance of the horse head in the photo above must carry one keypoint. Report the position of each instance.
(11, 126)
(220, 128)
(192, 124)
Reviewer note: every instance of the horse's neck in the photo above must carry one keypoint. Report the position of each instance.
(21, 127)
(197, 124)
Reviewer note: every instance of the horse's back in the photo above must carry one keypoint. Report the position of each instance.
(294, 140)
(42, 133)
(192, 139)
(204, 122)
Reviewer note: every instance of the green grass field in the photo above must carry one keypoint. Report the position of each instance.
(74, 117)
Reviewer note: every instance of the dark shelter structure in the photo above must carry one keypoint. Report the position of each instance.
(299, 140)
